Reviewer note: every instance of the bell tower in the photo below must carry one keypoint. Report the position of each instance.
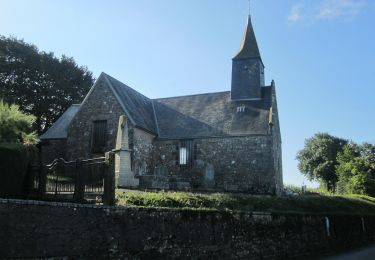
(247, 68)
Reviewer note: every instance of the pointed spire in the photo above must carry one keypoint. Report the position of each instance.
(249, 47)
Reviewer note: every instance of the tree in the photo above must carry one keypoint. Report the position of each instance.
(317, 160)
(15, 126)
(40, 83)
(356, 169)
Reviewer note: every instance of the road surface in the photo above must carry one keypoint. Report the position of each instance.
(364, 253)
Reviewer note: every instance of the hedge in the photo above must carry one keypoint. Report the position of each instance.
(15, 160)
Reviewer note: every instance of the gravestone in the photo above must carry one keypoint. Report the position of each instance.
(140, 168)
(209, 176)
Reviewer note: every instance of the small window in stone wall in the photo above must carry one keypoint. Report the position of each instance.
(99, 136)
(185, 153)
(183, 156)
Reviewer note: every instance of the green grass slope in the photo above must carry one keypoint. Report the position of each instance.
(301, 204)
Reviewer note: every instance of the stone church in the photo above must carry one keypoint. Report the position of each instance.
(224, 141)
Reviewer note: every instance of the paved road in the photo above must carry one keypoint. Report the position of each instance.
(364, 253)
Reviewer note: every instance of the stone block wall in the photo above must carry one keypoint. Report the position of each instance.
(100, 104)
(276, 142)
(277, 162)
(142, 152)
(31, 229)
(236, 164)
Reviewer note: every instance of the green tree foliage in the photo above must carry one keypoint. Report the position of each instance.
(317, 160)
(356, 169)
(15, 126)
(40, 83)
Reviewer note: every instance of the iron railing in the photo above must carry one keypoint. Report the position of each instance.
(78, 180)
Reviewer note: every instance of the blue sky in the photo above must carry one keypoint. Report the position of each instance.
(321, 53)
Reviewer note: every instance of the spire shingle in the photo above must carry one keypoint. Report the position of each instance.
(249, 47)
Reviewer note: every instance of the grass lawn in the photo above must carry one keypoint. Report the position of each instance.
(301, 204)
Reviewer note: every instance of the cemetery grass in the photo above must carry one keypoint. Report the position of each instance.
(297, 204)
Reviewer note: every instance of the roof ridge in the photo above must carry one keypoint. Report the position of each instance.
(127, 86)
(210, 93)
(117, 97)
(144, 118)
(155, 117)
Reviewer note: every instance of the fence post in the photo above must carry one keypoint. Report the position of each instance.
(29, 180)
(57, 172)
(109, 179)
(79, 186)
(42, 181)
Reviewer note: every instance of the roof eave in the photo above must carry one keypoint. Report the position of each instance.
(237, 57)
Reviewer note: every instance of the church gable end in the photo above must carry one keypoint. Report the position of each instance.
(94, 128)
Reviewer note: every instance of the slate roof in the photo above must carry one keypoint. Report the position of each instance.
(137, 106)
(202, 115)
(59, 130)
(209, 115)
(183, 117)
(249, 47)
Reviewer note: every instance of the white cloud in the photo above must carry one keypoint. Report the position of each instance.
(331, 9)
(319, 10)
(295, 13)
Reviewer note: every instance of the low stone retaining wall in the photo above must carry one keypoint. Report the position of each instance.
(33, 229)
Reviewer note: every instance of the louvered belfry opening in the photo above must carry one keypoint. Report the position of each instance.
(99, 136)
(186, 153)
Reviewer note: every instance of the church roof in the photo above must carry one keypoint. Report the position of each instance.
(249, 46)
(137, 107)
(183, 117)
(211, 115)
(59, 130)
(202, 115)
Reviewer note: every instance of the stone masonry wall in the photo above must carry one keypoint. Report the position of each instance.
(142, 152)
(276, 143)
(277, 162)
(236, 164)
(100, 104)
(31, 229)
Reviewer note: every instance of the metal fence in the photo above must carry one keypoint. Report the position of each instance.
(79, 180)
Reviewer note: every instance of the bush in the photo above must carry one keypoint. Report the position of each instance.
(356, 169)
(15, 126)
(14, 162)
